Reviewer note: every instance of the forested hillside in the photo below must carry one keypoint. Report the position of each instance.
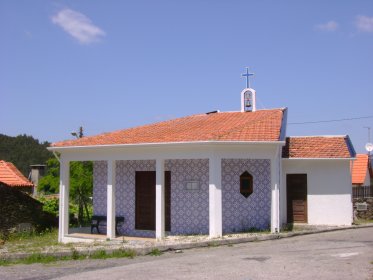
(22, 151)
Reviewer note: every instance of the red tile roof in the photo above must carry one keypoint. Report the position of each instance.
(262, 125)
(359, 169)
(318, 147)
(11, 176)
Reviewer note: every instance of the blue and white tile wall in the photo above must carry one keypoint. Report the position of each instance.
(99, 187)
(124, 192)
(240, 213)
(190, 208)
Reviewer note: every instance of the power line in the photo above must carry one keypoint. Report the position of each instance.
(328, 121)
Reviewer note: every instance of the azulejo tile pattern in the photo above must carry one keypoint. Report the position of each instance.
(124, 193)
(240, 213)
(189, 208)
(99, 187)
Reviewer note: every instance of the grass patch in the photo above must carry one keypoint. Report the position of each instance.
(4, 262)
(39, 258)
(75, 255)
(31, 241)
(155, 252)
(256, 230)
(363, 222)
(101, 254)
(288, 228)
(124, 254)
(33, 258)
(212, 244)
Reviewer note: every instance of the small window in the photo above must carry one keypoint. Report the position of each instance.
(246, 184)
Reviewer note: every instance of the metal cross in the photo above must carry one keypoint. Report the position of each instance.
(247, 75)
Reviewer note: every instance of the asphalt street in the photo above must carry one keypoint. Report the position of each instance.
(346, 254)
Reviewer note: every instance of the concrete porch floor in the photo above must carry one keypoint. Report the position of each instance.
(103, 237)
(84, 235)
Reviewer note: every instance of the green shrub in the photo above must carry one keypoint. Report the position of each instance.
(155, 252)
(101, 254)
(50, 205)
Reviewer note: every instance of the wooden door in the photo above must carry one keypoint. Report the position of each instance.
(167, 178)
(296, 185)
(145, 200)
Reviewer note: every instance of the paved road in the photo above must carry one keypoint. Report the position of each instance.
(338, 255)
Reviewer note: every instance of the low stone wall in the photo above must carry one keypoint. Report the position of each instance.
(19, 211)
(364, 214)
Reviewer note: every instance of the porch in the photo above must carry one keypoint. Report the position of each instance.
(210, 209)
(84, 235)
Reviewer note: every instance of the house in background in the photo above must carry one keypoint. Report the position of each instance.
(10, 176)
(361, 171)
(212, 173)
(19, 210)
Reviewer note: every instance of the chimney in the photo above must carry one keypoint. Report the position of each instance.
(37, 171)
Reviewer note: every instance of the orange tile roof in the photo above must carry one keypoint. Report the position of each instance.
(11, 176)
(359, 169)
(318, 147)
(262, 125)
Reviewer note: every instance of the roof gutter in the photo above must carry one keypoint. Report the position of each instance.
(56, 149)
(350, 158)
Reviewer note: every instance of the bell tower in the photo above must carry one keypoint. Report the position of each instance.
(248, 101)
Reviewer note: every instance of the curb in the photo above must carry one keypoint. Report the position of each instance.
(223, 242)
(182, 246)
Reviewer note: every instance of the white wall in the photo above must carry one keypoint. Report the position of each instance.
(328, 186)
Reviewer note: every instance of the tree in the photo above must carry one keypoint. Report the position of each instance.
(50, 183)
(81, 185)
(22, 151)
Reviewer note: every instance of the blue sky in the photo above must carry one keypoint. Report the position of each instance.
(109, 65)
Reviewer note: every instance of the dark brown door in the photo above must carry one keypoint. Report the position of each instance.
(145, 200)
(167, 178)
(296, 185)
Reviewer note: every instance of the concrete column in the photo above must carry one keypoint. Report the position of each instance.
(110, 213)
(63, 228)
(215, 198)
(160, 200)
(275, 185)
